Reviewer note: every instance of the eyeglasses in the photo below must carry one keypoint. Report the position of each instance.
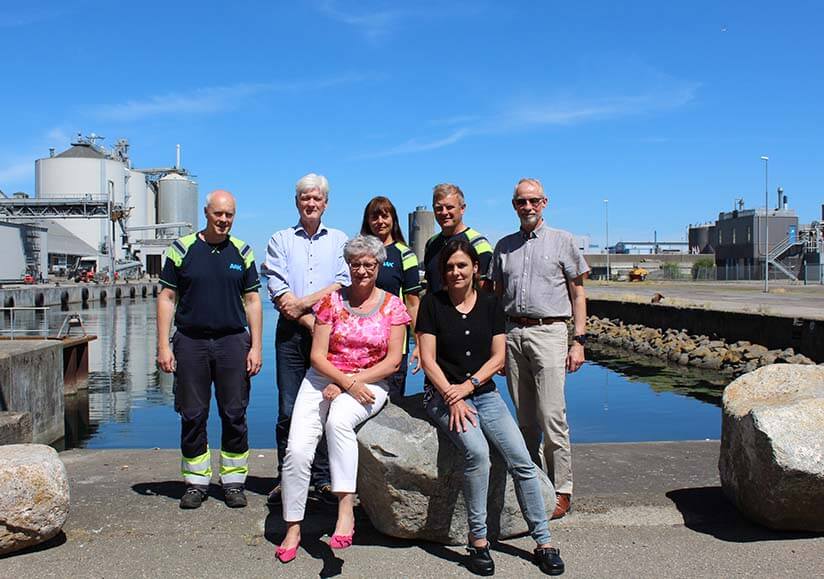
(534, 201)
(367, 266)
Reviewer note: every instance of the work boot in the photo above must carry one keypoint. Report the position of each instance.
(549, 560)
(234, 497)
(192, 498)
(479, 561)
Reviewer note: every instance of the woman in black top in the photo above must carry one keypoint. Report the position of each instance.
(398, 275)
(462, 343)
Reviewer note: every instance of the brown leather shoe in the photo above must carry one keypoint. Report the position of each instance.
(561, 505)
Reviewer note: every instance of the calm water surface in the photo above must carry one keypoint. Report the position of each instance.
(129, 404)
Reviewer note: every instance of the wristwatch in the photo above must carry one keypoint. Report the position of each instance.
(581, 339)
(474, 381)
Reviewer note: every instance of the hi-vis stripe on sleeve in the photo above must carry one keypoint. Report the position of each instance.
(177, 250)
(478, 241)
(408, 257)
(245, 251)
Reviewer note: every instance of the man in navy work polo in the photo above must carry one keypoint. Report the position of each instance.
(449, 206)
(304, 263)
(210, 285)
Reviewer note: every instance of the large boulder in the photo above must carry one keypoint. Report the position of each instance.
(772, 446)
(410, 481)
(34, 495)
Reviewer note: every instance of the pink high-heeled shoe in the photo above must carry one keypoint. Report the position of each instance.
(287, 555)
(342, 541)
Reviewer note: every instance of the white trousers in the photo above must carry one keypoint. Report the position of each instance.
(312, 416)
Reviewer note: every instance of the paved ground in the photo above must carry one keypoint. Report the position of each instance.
(784, 299)
(641, 510)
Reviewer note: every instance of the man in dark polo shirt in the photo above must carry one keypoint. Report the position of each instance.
(210, 285)
(538, 273)
(449, 206)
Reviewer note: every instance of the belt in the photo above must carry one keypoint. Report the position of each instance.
(519, 321)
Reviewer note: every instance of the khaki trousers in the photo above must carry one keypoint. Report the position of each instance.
(535, 375)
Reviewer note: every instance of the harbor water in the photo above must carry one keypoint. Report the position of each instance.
(130, 404)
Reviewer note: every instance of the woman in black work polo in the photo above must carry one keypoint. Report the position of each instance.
(462, 346)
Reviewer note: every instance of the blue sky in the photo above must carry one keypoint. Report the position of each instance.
(664, 108)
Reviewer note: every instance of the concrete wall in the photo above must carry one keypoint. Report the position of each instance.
(804, 336)
(13, 264)
(53, 295)
(31, 380)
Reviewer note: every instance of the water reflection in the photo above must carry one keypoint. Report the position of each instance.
(129, 403)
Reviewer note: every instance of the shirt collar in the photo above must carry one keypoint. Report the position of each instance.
(537, 232)
(321, 229)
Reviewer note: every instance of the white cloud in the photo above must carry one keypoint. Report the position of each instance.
(417, 146)
(209, 99)
(373, 25)
(557, 112)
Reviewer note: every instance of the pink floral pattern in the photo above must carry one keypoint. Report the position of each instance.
(356, 341)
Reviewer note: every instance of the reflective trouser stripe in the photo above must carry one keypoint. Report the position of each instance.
(197, 470)
(234, 466)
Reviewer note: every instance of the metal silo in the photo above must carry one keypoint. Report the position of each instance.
(177, 201)
(141, 201)
(421, 228)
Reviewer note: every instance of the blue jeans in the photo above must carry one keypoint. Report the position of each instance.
(497, 426)
(293, 343)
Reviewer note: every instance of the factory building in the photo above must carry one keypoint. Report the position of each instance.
(139, 212)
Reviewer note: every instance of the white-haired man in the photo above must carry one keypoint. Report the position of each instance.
(304, 263)
(538, 273)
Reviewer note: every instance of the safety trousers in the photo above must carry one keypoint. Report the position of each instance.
(202, 362)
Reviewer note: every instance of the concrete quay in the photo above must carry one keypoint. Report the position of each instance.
(640, 510)
(788, 316)
(63, 294)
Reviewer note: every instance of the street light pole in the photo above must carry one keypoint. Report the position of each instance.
(606, 244)
(766, 225)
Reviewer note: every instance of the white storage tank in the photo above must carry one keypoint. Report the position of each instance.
(82, 170)
(177, 202)
(141, 200)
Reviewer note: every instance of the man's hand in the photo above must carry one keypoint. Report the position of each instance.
(290, 306)
(254, 361)
(457, 392)
(415, 360)
(461, 415)
(331, 392)
(166, 359)
(308, 322)
(575, 357)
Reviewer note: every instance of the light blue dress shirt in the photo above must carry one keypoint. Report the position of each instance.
(302, 264)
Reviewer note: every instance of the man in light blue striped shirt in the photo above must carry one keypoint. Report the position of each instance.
(304, 263)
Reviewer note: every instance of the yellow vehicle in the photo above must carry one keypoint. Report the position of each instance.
(638, 274)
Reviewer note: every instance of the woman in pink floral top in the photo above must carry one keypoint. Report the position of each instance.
(357, 343)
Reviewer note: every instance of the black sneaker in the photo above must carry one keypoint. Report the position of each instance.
(192, 498)
(234, 497)
(549, 560)
(480, 561)
(275, 499)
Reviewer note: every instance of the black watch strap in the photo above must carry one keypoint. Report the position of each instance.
(581, 339)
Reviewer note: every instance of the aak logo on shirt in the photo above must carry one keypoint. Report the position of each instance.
(235, 266)
(389, 264)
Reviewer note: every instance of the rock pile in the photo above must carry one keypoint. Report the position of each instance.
(34, 495)
(410, 480)
(772, 446)
(686, 349)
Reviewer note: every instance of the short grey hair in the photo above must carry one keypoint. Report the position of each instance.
(364, 245)
(529, 181)
(311, 182)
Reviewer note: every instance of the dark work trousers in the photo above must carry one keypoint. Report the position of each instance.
(201, 362)
(397, 382)
(293, 343)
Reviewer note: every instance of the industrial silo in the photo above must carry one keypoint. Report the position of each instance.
(421, 228)
(84, 170)
(177, 202)
(141, 200)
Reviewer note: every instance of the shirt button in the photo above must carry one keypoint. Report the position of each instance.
(468, 374)
(466, 332)
(468, 353)
(463, 316)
